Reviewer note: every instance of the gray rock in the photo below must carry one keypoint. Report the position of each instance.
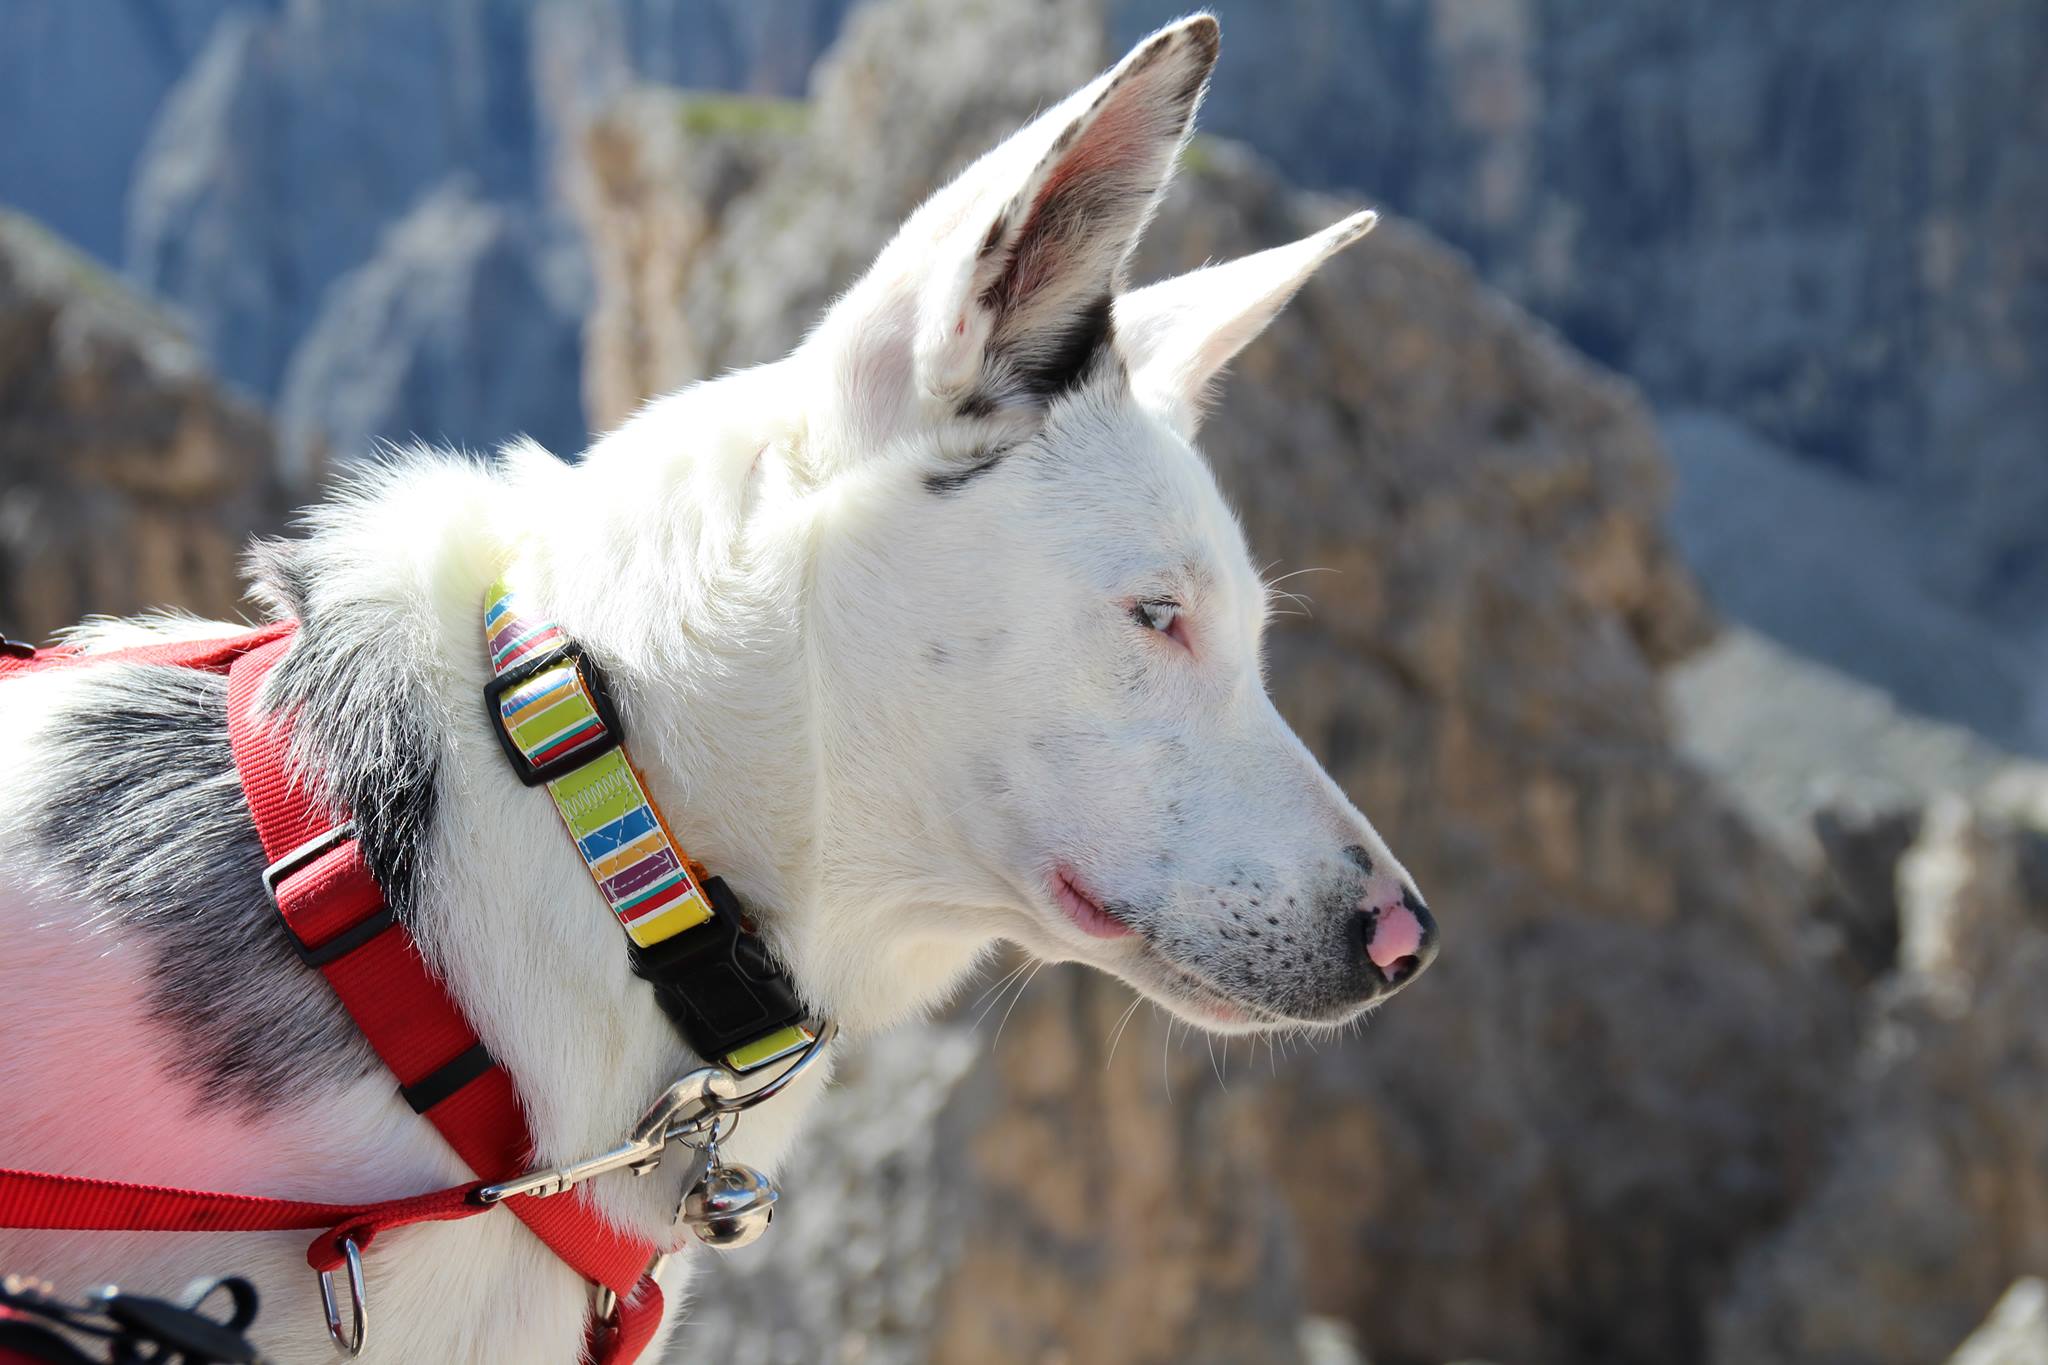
(1823, 223)
(451, 328)
(1790, 737)
(80, 86)
(1837, 570)
(765, 47)
(284, 178)
(298, 134)
(2016, 1333)
(128, 479)
(1938, 1196)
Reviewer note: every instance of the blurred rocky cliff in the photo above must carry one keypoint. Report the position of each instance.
(1815, 230)
(1592, 1133)
(1819, 223)
(128, 479)
(1735, 1054)
(354, 206)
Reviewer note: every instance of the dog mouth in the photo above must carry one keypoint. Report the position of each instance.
(1151, 970)
(1084, 911)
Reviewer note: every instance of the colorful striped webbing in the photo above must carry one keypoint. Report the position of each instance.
(642, 872)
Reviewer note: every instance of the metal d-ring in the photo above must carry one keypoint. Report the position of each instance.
(720, 1104)
(350, 1345)
(606, 1301)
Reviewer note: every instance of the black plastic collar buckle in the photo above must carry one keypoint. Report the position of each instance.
(531, 773)
(718, 981)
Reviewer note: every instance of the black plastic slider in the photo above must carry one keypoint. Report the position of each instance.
(592, 677)
(446, 1079)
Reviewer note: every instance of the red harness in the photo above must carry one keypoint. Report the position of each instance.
(336, 914)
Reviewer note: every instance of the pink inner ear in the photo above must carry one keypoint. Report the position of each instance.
(1112, 149)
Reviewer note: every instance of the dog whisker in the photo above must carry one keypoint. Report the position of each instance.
(1013, 1004)
(1165, 1071)
(1116, 1032)
(1006, 979)
(1317, 568)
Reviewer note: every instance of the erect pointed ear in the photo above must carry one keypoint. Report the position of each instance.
(1014, 302)
(1176, 336)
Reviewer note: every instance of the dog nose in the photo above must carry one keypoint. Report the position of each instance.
(1397, 937)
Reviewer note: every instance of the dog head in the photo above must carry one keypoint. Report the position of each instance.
(1040, 625)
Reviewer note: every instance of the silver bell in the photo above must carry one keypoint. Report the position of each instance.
(731, 1206)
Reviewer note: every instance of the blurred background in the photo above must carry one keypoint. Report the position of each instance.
(1676, 466)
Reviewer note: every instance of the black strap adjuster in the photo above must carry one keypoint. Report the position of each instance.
(297, 861)
(718, 982)
(534, 774)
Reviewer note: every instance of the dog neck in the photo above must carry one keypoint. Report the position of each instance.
(735, 689)
(679, 553)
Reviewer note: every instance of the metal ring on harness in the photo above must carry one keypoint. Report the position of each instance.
(350, 1345)
(605, 1301)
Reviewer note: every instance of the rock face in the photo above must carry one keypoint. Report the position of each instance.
(1938, 1197)
(252, 164)
(238, 215)
(1553, 1149)
(454, 326)
(1042, 1200)
(127, 478)
(2016, 1333)
(1834, 568)
(1824, 226)
(80, 87)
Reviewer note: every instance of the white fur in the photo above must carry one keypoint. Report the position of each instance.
(887, 716)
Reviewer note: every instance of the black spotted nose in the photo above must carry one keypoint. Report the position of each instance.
(1394, 941)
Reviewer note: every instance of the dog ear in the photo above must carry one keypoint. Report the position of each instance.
(1016, 301)
(1176, 336)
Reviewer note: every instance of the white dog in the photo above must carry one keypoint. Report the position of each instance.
(933, 634)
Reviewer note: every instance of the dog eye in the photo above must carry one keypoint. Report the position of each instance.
(1159, 616)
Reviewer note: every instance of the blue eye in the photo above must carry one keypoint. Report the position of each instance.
(1158, 616)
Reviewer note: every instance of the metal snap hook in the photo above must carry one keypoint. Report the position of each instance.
(350, 1345)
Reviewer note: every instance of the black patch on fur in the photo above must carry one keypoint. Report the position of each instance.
(154, 833)
(1208, 42)
(942, 482)
(1061, 363)
(1042, 369)
(1420, 911)
(348, 681)
(1356, 855)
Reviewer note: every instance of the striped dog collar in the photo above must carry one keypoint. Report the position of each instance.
(687, 932)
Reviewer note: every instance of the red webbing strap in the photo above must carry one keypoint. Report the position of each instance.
(76, 1203)
(211, 656)
(408, 1017)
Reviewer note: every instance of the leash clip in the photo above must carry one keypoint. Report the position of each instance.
(675, 1113)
